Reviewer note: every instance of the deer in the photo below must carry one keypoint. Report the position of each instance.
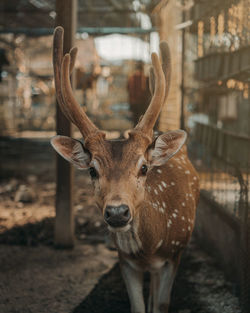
(144, 185)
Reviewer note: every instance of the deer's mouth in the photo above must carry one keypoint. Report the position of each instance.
(122, 229)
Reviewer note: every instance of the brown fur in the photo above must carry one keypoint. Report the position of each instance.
(154, 224)
(169, 195)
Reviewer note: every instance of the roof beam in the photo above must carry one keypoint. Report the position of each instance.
(89, 30)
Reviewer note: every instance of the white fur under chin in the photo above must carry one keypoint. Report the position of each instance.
(127, 239)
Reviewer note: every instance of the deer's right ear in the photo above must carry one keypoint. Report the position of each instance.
(72, 150)
(166, 146)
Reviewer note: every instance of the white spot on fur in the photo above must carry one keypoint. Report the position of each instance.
(195, 178)
(159, 244)
(164, 204)
(174, 215)
(169, 223)
(177, 243)
(164, 184)
(149, 188)
(159, 171)
(155, 206)
(189, 220)
(179, 167)
(183, 218)
(183, 229)
(160, 187)
(171, 165)
(155, 191)
(172, 183)
(176, 210)
(173, 242)
(187, 172)
(189, 228)
(161, 210)
(183, 204)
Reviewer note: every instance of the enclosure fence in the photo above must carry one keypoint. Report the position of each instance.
(220, 138)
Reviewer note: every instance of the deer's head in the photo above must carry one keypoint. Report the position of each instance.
(118, 168)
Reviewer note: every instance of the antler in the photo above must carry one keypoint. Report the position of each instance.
(63, 67)
(159, 83)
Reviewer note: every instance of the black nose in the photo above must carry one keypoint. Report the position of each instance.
(117, 216)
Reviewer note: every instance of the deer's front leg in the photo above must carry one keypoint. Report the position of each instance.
(167, 276)
(153, 292)
(134, 283)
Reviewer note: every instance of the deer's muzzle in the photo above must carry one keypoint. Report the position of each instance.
(117, 216)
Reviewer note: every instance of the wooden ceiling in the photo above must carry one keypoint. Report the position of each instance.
(40, 14)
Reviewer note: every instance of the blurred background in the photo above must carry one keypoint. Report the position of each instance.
(209, 98)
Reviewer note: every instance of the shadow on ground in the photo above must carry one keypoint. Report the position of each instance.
(110, 295)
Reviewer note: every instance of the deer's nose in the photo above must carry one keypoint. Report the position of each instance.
(117, 216)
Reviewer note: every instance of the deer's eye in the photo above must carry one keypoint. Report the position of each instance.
(93, 172)
(144, 169)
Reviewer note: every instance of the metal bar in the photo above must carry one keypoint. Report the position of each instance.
(89, 30)
(87, 10)
(227, 132)
(182, 117)
(64, 223)
(118, 30)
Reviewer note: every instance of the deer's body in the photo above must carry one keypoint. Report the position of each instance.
(166, 216)
(145, 187)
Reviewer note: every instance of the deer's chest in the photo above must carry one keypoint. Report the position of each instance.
(128, 242)
(151, 264)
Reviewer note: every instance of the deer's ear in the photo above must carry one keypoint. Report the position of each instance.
(165, 146)
(72, 150)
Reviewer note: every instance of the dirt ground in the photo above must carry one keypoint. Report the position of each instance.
(36, 277)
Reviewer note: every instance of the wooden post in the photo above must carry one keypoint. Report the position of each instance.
(66, 11)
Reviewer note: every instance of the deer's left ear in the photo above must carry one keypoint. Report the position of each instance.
(72, 150)
(165, 146)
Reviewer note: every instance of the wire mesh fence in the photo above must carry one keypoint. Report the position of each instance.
(220, 137)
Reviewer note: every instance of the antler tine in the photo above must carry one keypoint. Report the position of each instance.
(74, 111)
(57, 62)
(147, 122)
(151, 80)
(63, 67)
(73, 54)
(166, 65)
(159, 82)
